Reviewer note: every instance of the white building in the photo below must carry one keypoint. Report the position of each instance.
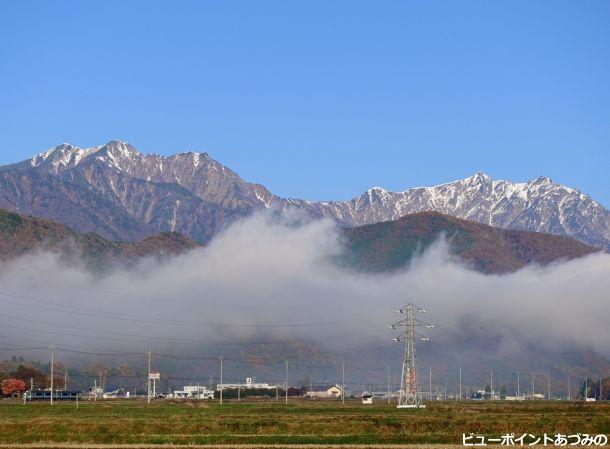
(324, 392)
(119, 393)
(193, 392)
(248, 385)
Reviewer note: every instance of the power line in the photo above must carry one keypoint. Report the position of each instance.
(147, 338)
(87, 311)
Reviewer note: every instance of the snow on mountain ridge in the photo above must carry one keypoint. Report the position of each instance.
(119, 154)
(537, 205)
(62, 155)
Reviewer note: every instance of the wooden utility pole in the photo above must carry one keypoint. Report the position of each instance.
(343, 385)
(389, 387)
(52, 371)
(221, 382)
(286, 381)
(147, 380)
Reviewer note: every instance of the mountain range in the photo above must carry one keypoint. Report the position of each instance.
(379, 247)
(122, 194)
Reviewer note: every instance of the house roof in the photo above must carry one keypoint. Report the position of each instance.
(323, 387)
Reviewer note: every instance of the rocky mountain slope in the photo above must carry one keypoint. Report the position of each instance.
(124, 195)
(390, 245)
(539, 205)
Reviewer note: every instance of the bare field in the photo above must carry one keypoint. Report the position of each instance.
(134, 424)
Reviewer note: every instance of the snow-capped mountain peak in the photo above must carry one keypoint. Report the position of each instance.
(117, 154)
(66, 156)
(61, 157)
(117, 170)
(478, 178)
(538, 205)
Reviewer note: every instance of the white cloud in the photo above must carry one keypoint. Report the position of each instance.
(264, 271)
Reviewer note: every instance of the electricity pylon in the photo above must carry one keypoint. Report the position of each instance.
(408, 396)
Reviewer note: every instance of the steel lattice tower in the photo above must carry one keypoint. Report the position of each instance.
(408, 396)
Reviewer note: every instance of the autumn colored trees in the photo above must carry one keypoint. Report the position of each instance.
(25, 372)
(11, 387)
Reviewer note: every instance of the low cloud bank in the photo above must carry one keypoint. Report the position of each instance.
(264, 278)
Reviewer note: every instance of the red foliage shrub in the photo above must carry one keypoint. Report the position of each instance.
(12, 386)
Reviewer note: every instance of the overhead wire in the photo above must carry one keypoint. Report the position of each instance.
(87, 311)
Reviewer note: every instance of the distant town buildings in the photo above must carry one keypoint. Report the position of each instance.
(192, 392)
(249, 385)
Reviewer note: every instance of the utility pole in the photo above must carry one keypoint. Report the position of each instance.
(52, 372)
(460, 384)
(586, 388)
(548, 385)
(65, 380)
(533, 384)
(569, 388)
(343, 384)
(147, 380)
(408, 395)
(430, 385)
(492, 384)
(389, 387)
(31, 387)
(518, 384)
(286, 381)
(221, 382)
(600, 388)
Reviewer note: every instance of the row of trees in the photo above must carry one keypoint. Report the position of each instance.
(599, 389)
(17, 381)
(16, 375)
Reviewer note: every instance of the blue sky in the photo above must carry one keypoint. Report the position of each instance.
(319, 100)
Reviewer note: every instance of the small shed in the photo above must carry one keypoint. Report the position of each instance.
(367, 398)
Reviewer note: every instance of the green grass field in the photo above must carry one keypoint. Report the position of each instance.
(300, 422)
